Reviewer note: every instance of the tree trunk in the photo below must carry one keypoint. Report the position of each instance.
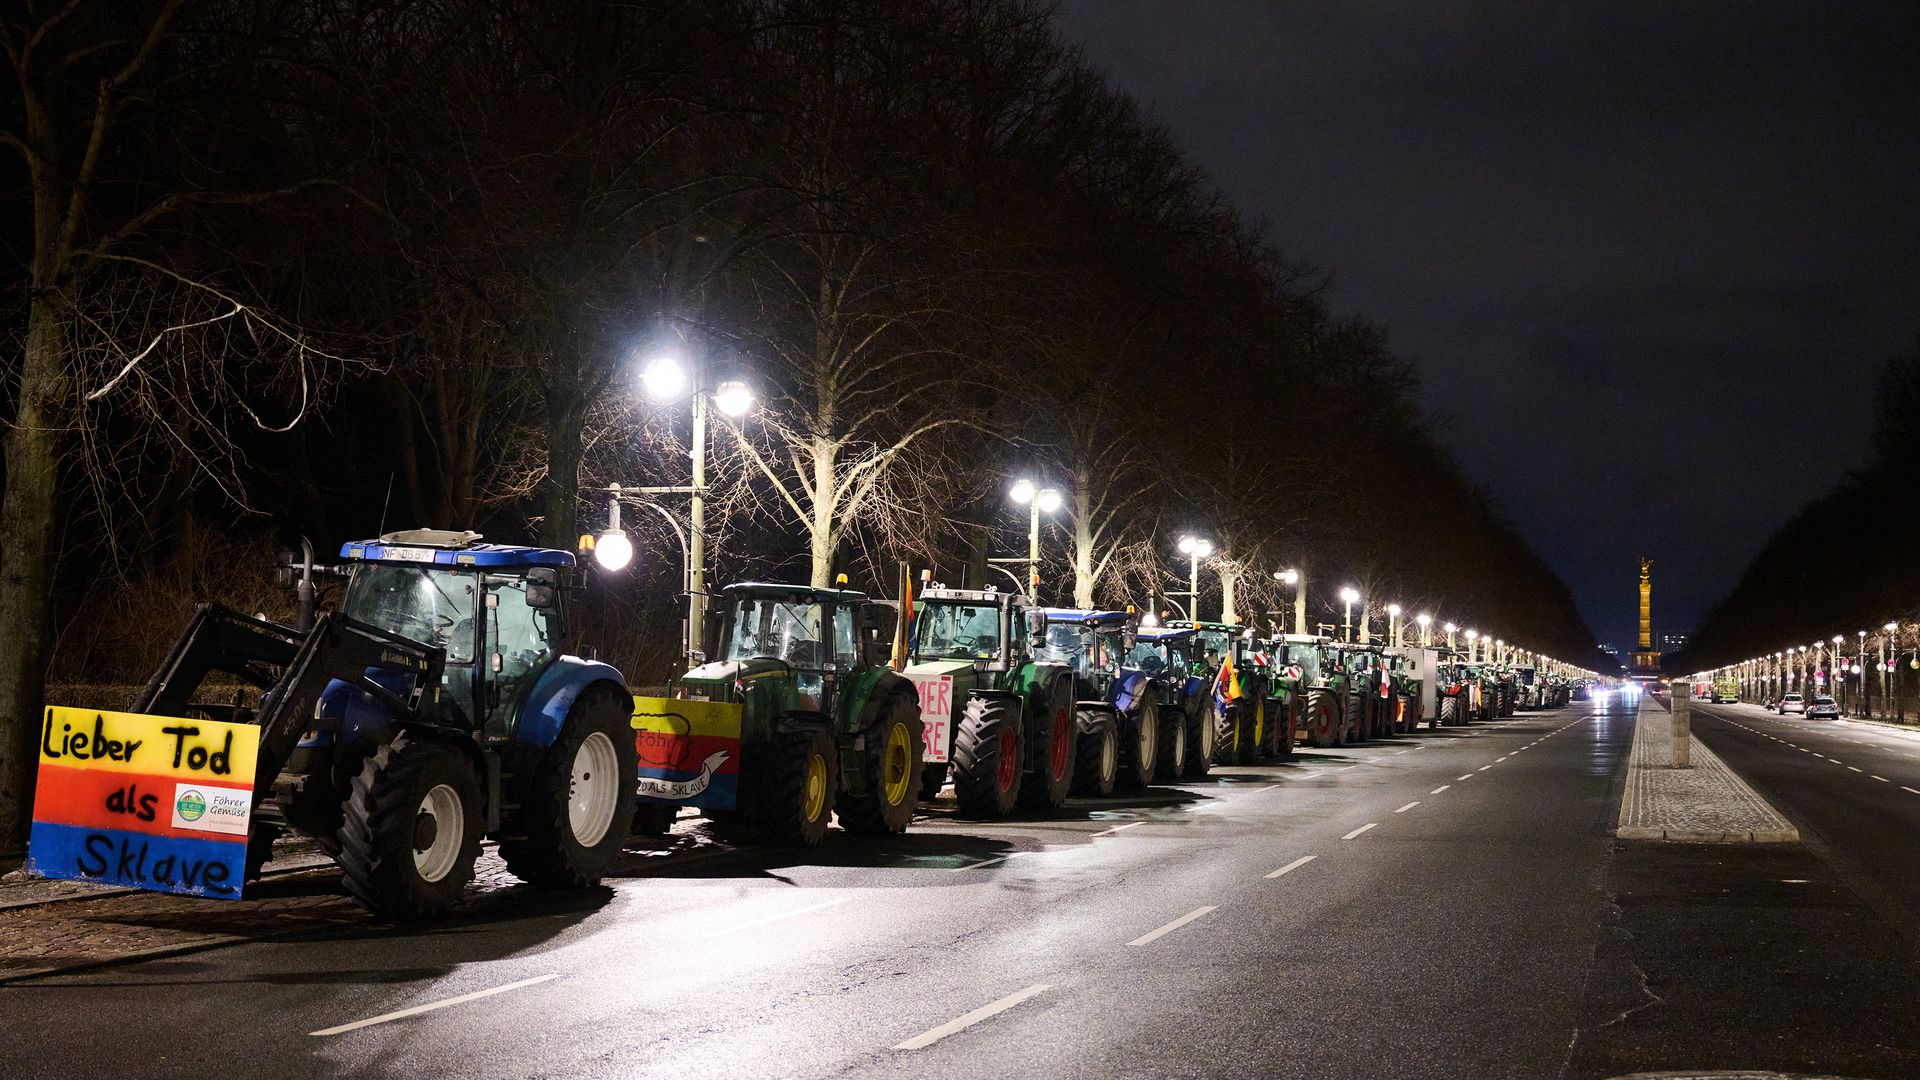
(1082, 555)
(1229, 581)
(820, 529)
(26, 562)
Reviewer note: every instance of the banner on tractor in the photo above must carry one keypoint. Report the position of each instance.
(936, 713)
(689, 751)
(152, 802)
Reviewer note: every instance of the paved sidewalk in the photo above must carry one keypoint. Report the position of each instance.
(1705, 804)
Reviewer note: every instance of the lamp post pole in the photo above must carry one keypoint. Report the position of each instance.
(697, 518)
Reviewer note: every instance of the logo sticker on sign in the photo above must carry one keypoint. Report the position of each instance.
(936, 714)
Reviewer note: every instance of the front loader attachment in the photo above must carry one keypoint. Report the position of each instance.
(291, 670)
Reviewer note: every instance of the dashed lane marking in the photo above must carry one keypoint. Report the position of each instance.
(1408, 807)
(1904, 787)
(1360, 830)
(1151, 935)
(961, 1023)
(1119, 828)
(1294, 865)
(1855, 768)
(1883, 779)
(1439, 789)
(1469, 776)
(1484, 768)
(402, 1014)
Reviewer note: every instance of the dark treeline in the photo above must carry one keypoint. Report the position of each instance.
(1845, 562)
(308, 267)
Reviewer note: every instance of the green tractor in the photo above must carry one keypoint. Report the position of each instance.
(793, 717)
(1013, 743)
(1257, 721)
(1117, 711)
(1371, 700)
(1459, 694)
(1324, 686)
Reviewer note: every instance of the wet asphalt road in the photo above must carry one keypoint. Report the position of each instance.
(1442, 924)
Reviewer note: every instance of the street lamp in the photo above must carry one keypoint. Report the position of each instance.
(665, 378)
(1349, 596)
(1451, 629)
(1393, 624)
(1298, 581)
(1426, 629)
(1473, 654)
(1194, 548)
(1037, 500)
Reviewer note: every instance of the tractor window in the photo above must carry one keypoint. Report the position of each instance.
(846, 640)
(1147, 656)
(433, 607)
(1062, 645)
(959, 631)
(523, 639)
(777, 630)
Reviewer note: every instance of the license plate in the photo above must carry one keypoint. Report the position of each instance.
(409, 554)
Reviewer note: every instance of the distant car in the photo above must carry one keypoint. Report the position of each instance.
(1823, 708)
(1791, 703)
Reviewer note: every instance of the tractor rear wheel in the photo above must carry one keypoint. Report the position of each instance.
(889, 772)
(989, 748)
(1284, 719)
(1052, 759)
(932, 779)
(1096, 755)
(1170, 757)
(1253, 717)
(1323, 719)
(412, 829)
(1201, 737)
(580, 799)
(1142, 745)
(1449, 712)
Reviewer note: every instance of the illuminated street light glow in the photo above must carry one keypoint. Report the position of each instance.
(1023, 491)
(733, 398)
(1048, 500)
(613, 550)
(665, 378)
(1350, 595)
(1287, 577)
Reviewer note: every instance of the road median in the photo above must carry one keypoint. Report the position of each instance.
(1707, 803)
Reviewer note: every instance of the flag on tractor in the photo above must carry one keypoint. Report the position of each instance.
(1226, 684)
(903, 626)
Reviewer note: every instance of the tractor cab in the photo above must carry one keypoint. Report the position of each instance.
(1164, 652)
(1212, 642)
(993, 631)
(495, 611)
(1092, 643)
(818, 636)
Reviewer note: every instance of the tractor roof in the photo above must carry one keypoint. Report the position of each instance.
(1231, 628)
(1165, 633)
(442, 547)
(1061, 615)
(799, 594)
(970, 596)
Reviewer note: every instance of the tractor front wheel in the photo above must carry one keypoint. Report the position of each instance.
(1323, 719)
(1050, 775)
(988, 750)
(411, 831)
(790, 795)
(1096, 756)
(1227, 724)
(890, 767)
(1170, 757)
(580, 798)
(1143, 745)
(1200, 739)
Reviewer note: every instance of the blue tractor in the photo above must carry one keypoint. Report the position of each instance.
(1117, 715)
(436, 704)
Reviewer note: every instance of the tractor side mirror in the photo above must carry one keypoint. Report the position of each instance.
(711, 624)
(1036, 625)
(543, 588)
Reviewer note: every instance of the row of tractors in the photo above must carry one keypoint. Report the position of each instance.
(442, 700)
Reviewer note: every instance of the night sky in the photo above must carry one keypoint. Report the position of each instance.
(1649, 258)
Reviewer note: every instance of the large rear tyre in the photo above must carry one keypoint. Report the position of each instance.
(1323, 719)
(1052, 760)
(1142, 745)
(989, 748)
(580, 799)
(1201, 737)
(1227, 736)
(788, 797)
(1170, 757)
(411, 830)
(889, 772)
(1284, 719)
(1096, 764)
(1449, 712)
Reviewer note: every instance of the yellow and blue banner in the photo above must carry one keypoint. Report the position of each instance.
(689, 751)
(153, 802)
